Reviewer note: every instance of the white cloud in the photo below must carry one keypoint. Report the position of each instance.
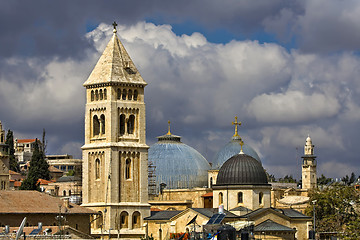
(292, 107)
(200, 86)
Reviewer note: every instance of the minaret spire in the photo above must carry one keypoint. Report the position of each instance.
(236, 123)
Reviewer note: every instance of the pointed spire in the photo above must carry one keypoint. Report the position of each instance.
(236, 123)
(168, 133)
(115, 65)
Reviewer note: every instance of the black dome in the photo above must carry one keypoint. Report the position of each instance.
(241, 169)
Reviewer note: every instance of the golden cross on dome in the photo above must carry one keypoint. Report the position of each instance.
(236, 123)
(169, 133)
(241, 144)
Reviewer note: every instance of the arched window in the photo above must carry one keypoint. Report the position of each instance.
(96, 95)
(261, 196)
(96, 126)
(128, 169)
(221, 198)
(136, 220)
(122, 124)
(64, 193)
(105, 94)
(240, 197)
(97, 168)
(135, 95)
(124, 94)
(118, 93)
(101, 94)
(124, 219)
(131, 124)
(130, 95)
(102, 119)
(92, 95)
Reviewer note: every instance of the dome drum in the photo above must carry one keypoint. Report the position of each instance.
(241, 169)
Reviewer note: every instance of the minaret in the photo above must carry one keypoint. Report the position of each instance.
(309, 166)
(115, 179)
(4, 161)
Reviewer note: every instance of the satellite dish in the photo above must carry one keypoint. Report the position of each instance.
(20, 231)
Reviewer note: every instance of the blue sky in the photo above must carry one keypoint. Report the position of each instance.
(285, 68)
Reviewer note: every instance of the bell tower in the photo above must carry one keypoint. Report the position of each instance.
(309, 166)
(4, 161)
(115, 154)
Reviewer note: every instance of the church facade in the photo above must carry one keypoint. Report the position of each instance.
(115, 181)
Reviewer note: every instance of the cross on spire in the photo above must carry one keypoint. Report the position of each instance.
(241, 144)
(169, 133)
(236, 123)
(114, 24)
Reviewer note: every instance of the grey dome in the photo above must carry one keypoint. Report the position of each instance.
(241, 169)
(230, 149)
(177, 165)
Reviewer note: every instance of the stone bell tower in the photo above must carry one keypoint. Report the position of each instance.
(309, 166)
(115, 154)
(4, 161)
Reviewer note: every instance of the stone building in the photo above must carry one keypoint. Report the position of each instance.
(4, 161)
(115, 180)
(24, 149)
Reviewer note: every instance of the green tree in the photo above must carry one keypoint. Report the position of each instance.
(322, 180)
(287, 179)
(14, 165)
(336, 210)
(39, 168)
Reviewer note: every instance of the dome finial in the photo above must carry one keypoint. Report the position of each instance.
(114, 24)
(241, 144)
(236, 123)
(169, 133)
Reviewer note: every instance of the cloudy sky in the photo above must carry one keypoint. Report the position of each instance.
(285, 68)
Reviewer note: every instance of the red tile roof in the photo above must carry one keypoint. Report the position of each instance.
(209, 194)
(17, 184)
(44, 182)
(26, 140)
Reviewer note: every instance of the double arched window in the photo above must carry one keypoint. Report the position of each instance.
(129, 123)
(98, 125)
